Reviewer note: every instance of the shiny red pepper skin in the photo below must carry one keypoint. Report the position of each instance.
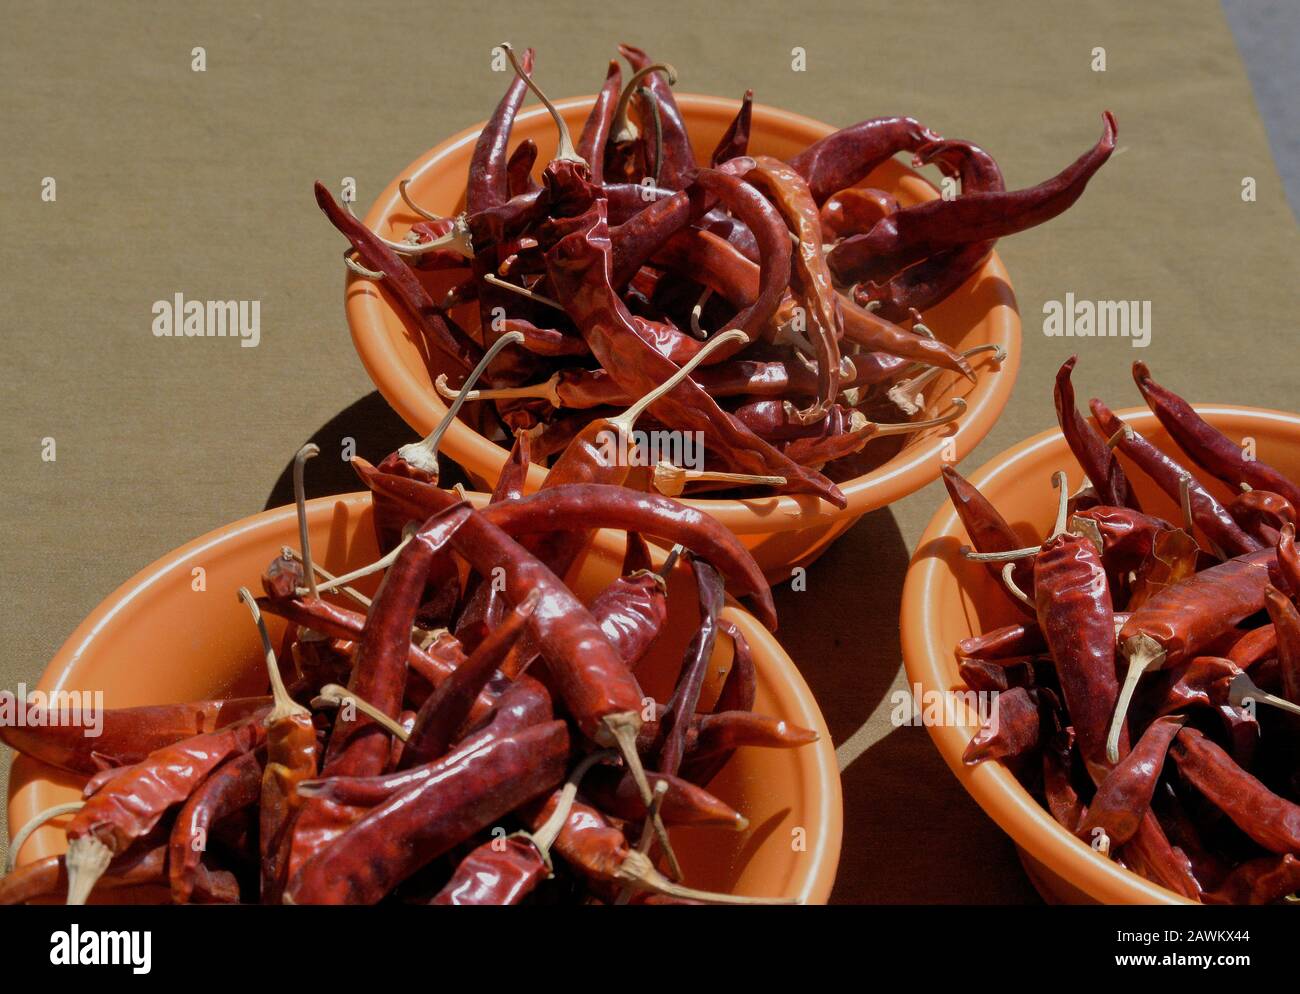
(143, 865)
(918, 232)
(127, 735)
(1014, 731)
(499, 872)
(233, 786)
(486, 186)
(1077, 620)
(413, 828)
(1286, 626)
(1090, 449)
(678, 165)
(987, 529)
(841, 159)
(1124, 796)
(1009, 642)
(595, 132)
(1209, 448)
(519, 170)
(674, 721)
(1208, 514)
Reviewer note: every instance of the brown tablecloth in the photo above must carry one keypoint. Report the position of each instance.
(170, 180)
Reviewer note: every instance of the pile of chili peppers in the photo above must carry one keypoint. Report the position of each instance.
(446, 741)
(1149, 696)
(634, 251)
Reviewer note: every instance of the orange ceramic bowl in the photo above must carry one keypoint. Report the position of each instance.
(946, 598)
(156, 639)
(781, 531)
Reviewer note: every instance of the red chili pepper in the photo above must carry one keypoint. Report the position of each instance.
(1266, 880)
(1288, 560)
(856, 210)
(1286, 627)
(1124, 796)
(1024, 638)
(1262, 514)
(1150, 854)
(143, 865)
(841, 159)
(735, 140)
(1209, 448)
(684, 803)
(741, 686)
(130, 805)
(987, 529)
(126, 736)
(447, 709)
(1076, 618)
(918, 232)
(1203, 680)
(1090, 449)
(1208, 514)
(595, 133)
(678, 165)
(500, 872)
(412, 829)
(632, 610)
(1271, 821)
(233, 786)
(933, 280)
(519, 172)
(487, 185)
(1011, 731)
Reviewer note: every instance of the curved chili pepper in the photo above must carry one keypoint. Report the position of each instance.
(1077, 620)
(1124, 796)
(841, 159)
(1096, 457)
(126, 735)
(1270, 820)
(1254, 646)
(1202, 680)
(810, 279)
(678, 165)
(932, 280)
(735, 140)
(1058, 789)
(1260, 881)
(1024, 638)
(1011, 731)
(854, 211)
(500, 872)
(682, 705)
(595, 133)
(591, 506)
(987, 529)
(632, 610)
(1207, 513)
(130, 805)
(684, 804)
(445, 710)
(1209, 448)
(487, 186)
(402, 282)
(740, 687)
(413, 828)
(1262, 514)
(233, 786)
(1288, 560)
(982, 674)
(914, 233)
(519, 170)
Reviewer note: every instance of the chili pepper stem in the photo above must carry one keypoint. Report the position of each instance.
(545, 836)
(885, 429)
(622, 728)
(564, 150)
(457, 239)
(356, 267)
(623, 422)
(378, 566)
(1009, 582)
(637, 870)
(671, 480)
(423, 455)
(1185, 503)
(647, 835)
(1143, 653)
(523, 291)
(697, 309)
(332, 694)
(284, 706)
(40, 818)
(329, 577)
(623, 130)
(406, 198)
(1243, 691)
(308, 451)
(86, 861)
(548, 391)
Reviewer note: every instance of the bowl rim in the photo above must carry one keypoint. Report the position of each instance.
(823, 787)
(902, 475)
(1030, 826)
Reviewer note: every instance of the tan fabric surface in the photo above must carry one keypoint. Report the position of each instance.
(171, 180)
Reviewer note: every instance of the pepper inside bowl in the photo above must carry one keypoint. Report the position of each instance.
(781, 531)
(199, 644)
(947, 598)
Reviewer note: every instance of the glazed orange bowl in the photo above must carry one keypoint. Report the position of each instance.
(157, 640)
(780, 531)
(947, 598)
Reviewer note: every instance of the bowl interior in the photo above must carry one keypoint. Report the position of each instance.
(946, 598)
(159, 639)
(981, 312)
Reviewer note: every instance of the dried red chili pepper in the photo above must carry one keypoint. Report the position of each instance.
(233, 786)
(1286, 626)
(920, 231)
(735, 140)
(595, 132)
(678, 165)
(856, 210)
(415, 827)
(1259, 881)
(143, 865)
(1090, 449)
(682, 705)
(841, 159)
(1262, 514)
(1208, 514)
(1209, 448)
(683, 804)
(1124, 796)
(1024, 638)
(487, 183)
(632, 610)
(126, 736)
(1012, 730)
(519, 172)
(987, 529)
(130, 805)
